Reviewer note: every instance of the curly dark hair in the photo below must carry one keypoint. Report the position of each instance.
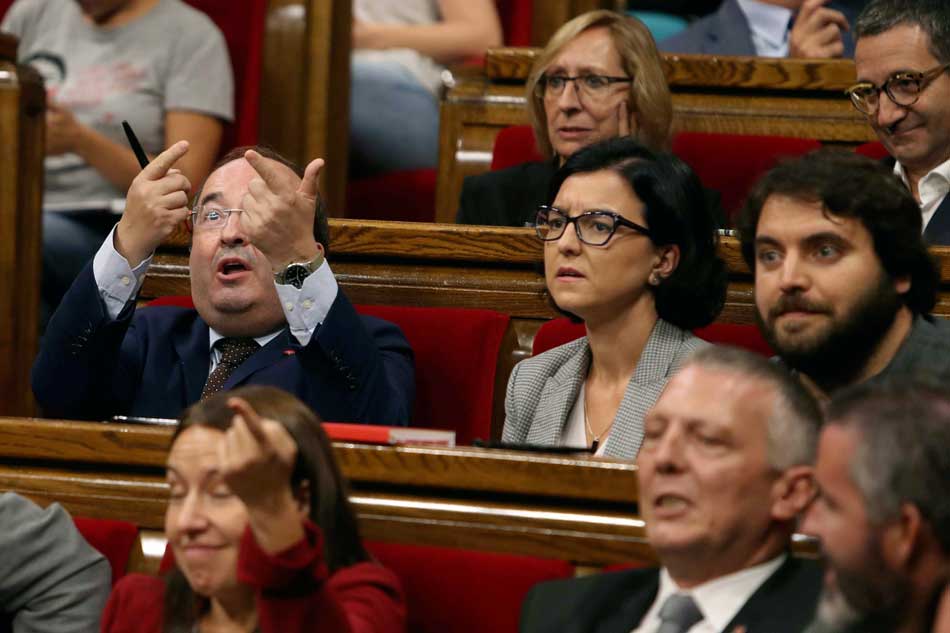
(848, 185)
(676, 214)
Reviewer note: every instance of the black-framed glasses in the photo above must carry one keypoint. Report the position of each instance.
(211, 218)
(593, 86)
(902, 88)
(594, 227)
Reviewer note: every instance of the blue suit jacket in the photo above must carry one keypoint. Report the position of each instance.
(154, 362)
(727, 32)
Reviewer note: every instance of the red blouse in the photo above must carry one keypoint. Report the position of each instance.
(293, 592)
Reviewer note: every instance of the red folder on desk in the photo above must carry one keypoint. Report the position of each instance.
(394, 435)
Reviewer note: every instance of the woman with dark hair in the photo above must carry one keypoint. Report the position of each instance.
(630, 250)
(263, 536)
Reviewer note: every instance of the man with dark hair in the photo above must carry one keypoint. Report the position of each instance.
(902, 60)
(843, 279)
(267, 306)
(721, 488)
(882, 513)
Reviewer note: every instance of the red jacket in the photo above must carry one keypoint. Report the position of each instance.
(293, 592)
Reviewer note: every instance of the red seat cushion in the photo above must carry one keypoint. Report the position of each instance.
(560, 331)
(396, 195)
(243, 31)
(514, 145)
(113, 539)
(731, 163)
(874, 150)
(464, 591)
(456, 353)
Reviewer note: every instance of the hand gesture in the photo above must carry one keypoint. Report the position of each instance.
(817, 31)
(156, 202)
(62, 130)
(279, 211)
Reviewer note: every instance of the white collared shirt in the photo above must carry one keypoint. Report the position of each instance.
(932, 188)
(304, 308)
(769, 27)
(719, 600)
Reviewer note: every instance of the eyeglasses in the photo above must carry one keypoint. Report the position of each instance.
(902, 88)
(593, 86)
(210, 218)
(592, 227)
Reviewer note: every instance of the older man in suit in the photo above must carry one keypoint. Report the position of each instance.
(724, 473)
(771, 28)
(902, 60)
(267, 306)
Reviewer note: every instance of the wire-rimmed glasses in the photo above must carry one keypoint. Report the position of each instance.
(211, 218)
(590, 85)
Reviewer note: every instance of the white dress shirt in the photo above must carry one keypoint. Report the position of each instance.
(719, 600)
(932, 188)
(769, 26)
(304, 308)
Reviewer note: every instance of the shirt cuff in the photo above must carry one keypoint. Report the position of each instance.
(309, 306)
(117, 281)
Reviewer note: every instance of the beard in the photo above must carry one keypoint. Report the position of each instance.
(866, 600)
(835, 356)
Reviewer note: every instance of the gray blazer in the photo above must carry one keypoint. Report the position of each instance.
(542, 390)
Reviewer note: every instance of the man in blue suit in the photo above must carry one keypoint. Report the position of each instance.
(771, 28)
(267, 306)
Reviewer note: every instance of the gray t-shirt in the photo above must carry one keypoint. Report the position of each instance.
(171, 58)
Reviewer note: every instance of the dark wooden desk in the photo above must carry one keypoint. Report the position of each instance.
(22, 130)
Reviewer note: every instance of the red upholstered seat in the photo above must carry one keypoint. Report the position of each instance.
(560, 331)
(514, 145)
(408, 196)
(456, 352)
(515, 16)
(464, 591)
(244, 32)
(873, 149)
(4, 5)
(113, 539)
(178, 301)
(731, 163)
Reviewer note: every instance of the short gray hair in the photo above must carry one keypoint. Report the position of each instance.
(796, 419)
(933, 16)
(903, 453)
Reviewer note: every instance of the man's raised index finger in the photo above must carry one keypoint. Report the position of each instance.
(164, 161)
(270, 170)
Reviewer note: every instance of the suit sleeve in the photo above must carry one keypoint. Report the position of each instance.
(86, 369)
(361, 368)
(51, 580)
(295, 592)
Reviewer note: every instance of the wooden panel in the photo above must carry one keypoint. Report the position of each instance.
(549, 15)
(22, 129)
(305, 87)
(728, 95)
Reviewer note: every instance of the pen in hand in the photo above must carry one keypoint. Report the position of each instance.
(135, 145)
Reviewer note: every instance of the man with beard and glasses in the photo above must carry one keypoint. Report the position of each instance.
(882, 513)
(268, 309)
(843, 279)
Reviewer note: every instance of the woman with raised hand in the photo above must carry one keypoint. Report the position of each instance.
(630, 250)
(263, 536)
(600, 76)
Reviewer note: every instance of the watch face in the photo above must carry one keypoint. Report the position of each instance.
(295, 274)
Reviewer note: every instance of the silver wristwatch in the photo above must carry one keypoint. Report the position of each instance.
(296, 272)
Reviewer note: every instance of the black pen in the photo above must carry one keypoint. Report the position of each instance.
(136, 146)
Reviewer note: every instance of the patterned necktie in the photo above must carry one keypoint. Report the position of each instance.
(678, 614)
(234, 351)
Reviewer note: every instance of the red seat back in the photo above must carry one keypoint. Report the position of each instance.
(243, 27)
(732, 163)
(514, 145)
(408, 196)
(874, 150)
(113, 539)
(560, 331)
(4, 6)
(515, 16)
(456, 352)
(464, 591)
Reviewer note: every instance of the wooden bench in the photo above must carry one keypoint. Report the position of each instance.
(578, 509)
(733, 95)
(22, 126)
